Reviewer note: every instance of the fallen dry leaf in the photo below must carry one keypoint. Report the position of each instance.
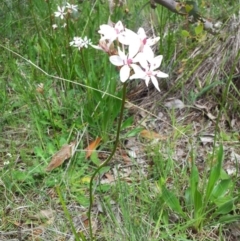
(40, 88)
(206, 111)
(62, 155)
(110, 177)
(124, 155)
(202, 107)
(152, 135)
(174, 104)
(92, 146)
(207, 138)
(37, 232)
(48, 214)
(211, 117)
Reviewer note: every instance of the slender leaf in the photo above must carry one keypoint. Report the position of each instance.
(225, 208)
(172, 201)
(228, 219)
(221, 188)
(127, 123)
(221, 200)
(188, 198)
(198, 204)
(133, 132)
(194, 178)
(94, 158)
(214, 174)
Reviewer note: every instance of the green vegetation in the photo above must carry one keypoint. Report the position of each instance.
(175, 174)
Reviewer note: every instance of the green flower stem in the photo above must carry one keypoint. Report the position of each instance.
(106, 161)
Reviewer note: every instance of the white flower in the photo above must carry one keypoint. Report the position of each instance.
(126, 61)
(72, 7)
(86, 42)
(6, 163)
(123, 35)
(60, 12)
(146, 43)
(79, 43)
(54, 26)
(149, 71)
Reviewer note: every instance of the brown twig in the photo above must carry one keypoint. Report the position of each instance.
(179, 8)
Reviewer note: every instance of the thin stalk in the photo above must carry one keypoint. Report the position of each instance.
(106, 161)
(67, 214)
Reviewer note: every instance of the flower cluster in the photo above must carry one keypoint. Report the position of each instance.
(131, 52)
(64, 11)
(80, 42)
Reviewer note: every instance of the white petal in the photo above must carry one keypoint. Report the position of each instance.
(108, 32)
(147, 80)
(160, 74)
(127, 37)
(122, 55)
(124, 73)
(152, 41)
(104, 28)
(116, 60)
(137, 68)
(135, 76)
(155, 82)
(141, 59)
(133, 49)
(119, 26)
(148, 52)
(97, 47)
(138, 72)
(141, 33)
(156, 62)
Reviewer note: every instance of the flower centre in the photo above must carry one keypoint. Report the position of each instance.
(129, 61)
(144, 41)
(149, 73)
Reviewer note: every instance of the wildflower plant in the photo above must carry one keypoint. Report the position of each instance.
(64, 12)
(133, 56)
(65, 9)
